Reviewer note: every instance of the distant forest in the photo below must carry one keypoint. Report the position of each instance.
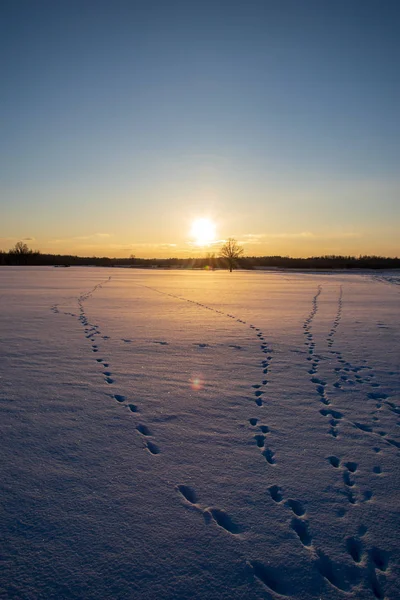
(35, 258)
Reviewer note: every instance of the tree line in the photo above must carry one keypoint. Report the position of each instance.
(230, 256)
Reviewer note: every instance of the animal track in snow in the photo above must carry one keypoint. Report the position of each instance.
(270, 577)
(188, 493)
(143, 429)
(335, 462)
(217, 515)
(336, 322)
(260, 439)
(296, 507)
(276, 493)
(354, 548)
(152, 448)
(265, 349)
(380, 558)
(222, 519)
(330, 571)
(349, 467)
(119, 397)
(269, 456)
(320, 384)
(301, 528)
(299, 524)
(346, 373)
(92, 332)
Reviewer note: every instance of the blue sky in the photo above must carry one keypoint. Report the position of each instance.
(124, 121)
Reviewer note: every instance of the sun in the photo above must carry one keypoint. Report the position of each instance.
(203, 232)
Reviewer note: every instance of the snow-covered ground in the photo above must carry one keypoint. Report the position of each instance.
(205, 435)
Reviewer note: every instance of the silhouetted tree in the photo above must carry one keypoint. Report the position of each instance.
(231, 251)
(21, 248)
(20, 253)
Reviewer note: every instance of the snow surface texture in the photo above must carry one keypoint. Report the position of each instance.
(199, 435)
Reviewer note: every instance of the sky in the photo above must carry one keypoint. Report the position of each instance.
(124, 121)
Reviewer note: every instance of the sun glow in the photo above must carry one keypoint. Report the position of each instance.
(203, 232)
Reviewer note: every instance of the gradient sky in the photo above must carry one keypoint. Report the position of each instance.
(122, 121)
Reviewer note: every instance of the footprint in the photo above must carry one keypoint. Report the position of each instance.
(335, 414)
(350, 497)
(377, 396)
(223, 520)
(109, 380)
(366, 428)
(143, 429)
(316, 380)
(260, 439)
(354, 548)
(270, 577)
(269, 456)
(276, 493)
(296, 507)
(151, 447)
(253, 422)
(264, 428)
(351, 466)
(188, 493)
(120, 398)
(347, 480)
(330, 571)
(301, 528)
(380, 558)
(335, 462)
(375, 585)
(132, 407)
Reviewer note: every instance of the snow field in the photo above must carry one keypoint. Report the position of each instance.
(199, 435)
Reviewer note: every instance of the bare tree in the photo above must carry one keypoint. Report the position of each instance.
(21, 248)
(20, 253)
(231, 251)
